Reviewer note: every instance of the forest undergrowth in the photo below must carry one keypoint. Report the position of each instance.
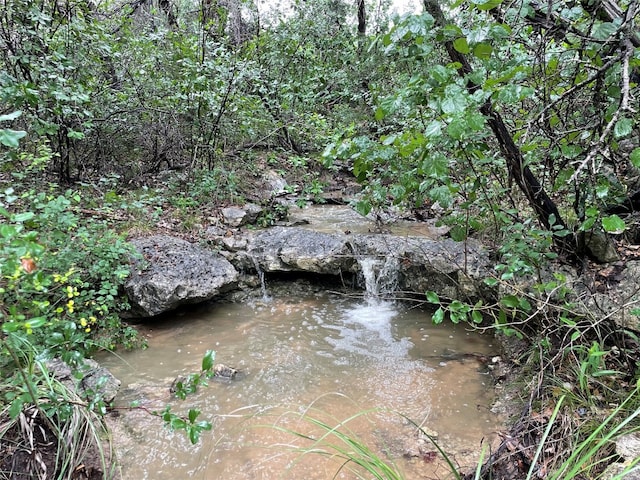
(515, 123)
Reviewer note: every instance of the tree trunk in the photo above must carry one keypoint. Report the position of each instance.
(545, 208)
(362, 19)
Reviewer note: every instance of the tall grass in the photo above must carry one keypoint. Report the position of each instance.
(57, 431)
(585, 456)
(337, 441)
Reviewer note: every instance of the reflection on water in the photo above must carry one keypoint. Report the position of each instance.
(325, 355)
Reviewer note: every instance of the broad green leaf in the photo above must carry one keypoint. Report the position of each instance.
(604, 30)
(455, 100)
(438, 316)
(461, 45)
(23, 217)
(36, 322)
(476, 121)
(623, 127)
(204, 425)
(513, 93)
(635, 157)
(440, 74)
(177, 423)
(510, 301)
(613, 224)
(476, 316)
(524, 305)
(602, 190)
(193, 414)
(482, 51)
(435, 166)
(389, 140)
(457, 128)
(458, 233)
(432, 297)
(16, 408)
(208, 359)
(7, 231)
(363, 207)
(10, 116)
(491, 282)
(10, 138)
(434, 129)
(194, 435)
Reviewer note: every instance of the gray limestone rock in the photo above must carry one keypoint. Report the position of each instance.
(451, 269)
(178, 273)
(94, 379)
(286, 249)
(628, 447)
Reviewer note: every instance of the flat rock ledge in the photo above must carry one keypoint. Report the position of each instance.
(176, 273)
(454, 270)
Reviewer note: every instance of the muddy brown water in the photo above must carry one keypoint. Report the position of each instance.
(344, 360)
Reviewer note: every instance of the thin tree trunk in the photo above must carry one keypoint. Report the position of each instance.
(362, 19)
(545, 208)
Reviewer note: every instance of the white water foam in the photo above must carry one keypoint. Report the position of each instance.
(379, 275)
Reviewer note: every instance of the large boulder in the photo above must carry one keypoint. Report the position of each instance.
(176, 273)
(287, 249)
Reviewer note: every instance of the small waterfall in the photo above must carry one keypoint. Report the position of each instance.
(379, 275)
(263, 283)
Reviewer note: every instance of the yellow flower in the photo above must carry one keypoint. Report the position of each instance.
(70, 306)
(93, 319)
(88, 329)
(69, 291)
(83, 322)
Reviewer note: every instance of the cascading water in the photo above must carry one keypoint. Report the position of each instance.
(263, 283)
(379, 275)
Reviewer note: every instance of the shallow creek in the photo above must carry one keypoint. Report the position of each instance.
(319, 355)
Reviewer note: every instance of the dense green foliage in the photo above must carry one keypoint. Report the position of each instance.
(517, 121)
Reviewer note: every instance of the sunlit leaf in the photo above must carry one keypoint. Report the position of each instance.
(635, 157)
(434, 129)
(363, 207)
(23, 217)
(613, 224)
(10, 138)
(454, 102)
